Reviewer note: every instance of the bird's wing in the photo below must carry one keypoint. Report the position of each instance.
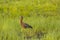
(27, 25)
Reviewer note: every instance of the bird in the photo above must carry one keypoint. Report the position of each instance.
(24, 25)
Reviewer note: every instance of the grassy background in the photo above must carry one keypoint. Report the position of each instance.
(42, 15)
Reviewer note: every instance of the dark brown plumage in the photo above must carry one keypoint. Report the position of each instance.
(24, 25)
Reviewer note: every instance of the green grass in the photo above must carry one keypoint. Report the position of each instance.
(12, 30)
(43, 16)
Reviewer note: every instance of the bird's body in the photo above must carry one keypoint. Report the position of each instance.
(24, 25)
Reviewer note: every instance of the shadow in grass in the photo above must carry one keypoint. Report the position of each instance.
(28, 37)
(39, 34)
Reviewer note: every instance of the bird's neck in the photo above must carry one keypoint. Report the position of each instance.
(21, 21)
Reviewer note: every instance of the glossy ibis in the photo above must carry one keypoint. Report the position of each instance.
(24, 25)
